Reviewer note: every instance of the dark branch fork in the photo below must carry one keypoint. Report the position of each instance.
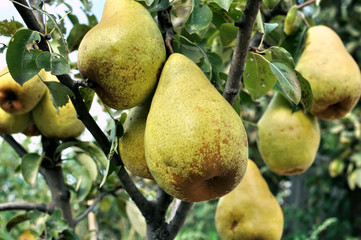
(153, 211)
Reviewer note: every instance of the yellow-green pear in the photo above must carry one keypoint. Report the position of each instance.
(195, 144)
(17, 99)
(11, 123)
(131, 144)
(123, 54)
(332, 72)
(288, 141)
(250, 211)
(53, 125)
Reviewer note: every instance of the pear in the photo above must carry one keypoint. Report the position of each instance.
(131, 144)
(195, 144)
(123, 54)
(17, 99)
(288, 141)
(53, 125)
(332, 72)
(11, 123)
(250, 211)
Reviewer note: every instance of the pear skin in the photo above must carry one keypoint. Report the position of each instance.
(17, 99)
(53, 125)
(250, 211)
(11, 123)
(131, 144)
(332, 72)
(123, 54)
(195, 143)
(288, 141)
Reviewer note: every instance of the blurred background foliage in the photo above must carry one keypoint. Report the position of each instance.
(323, 203)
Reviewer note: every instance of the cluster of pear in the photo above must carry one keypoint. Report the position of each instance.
(181, 132)
(29, 109)
(288, 140)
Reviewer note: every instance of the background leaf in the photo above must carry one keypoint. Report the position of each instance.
(199, 19)
(59, 93)
(30, 165)
(225, 4)
(20, 57)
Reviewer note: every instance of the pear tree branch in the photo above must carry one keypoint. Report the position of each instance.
(83, 113)
(46, 208)
(20, 150)
(245, 26)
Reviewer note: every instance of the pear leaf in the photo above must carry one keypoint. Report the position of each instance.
(53, 62)
(258, 77)
(89, 164)
(306, 93)
(8, 28)
(269, 27)
(281, 54)
(76, 35)
(84, 183)
(228, 33)
(88, 96)
(160, 5)
(111, 167)
(259, 23)
(59, 93)
(136, 218)
(56, 222)
(20, 57)
(225, 4)
(199, 19)
(17, 220)
(288, 80)
(149, 2)
(30, 165)
(270, 3)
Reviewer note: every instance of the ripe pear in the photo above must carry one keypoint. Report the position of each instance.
(332, 72)
(53, 125)
(195, 144)
(123, 54)
(11, 123)
(288, 141)
(17, 99)
(131, 144)
(250, 211)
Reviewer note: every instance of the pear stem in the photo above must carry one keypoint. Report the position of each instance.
(240, 53)
(305, 4)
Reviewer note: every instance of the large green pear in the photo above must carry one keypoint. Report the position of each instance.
(20, 99)
(332, 72)
(53, 125)
(250, 211)
(11, 123)
(195, 144)
(131, 144)
(123, 54)
(288, 141)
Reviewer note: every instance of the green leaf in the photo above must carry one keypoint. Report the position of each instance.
(111, 167)
(288, 80)
(76, 35)
(270, 3)
(258, 77)
(295, 43)
(20, 57)
(16, 220)
(53, 62)
(306, 93)
(30, 167)
(259, 22)
(199, 19)
(84, 183)
(318, 2)
(160, 5)
(88, 95)
(269, 27)
(89, 164)
(59, 93)
(225, 4)
(9, 28)
(228, 34)
(282, 55)
(56, 222)
(149, 2)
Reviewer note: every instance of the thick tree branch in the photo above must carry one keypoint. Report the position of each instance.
(26, 206)
(179, 218)
(20, 150)
(241, 49)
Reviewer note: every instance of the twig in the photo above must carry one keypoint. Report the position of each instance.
(20, 150)
(92, 206)
(305, 4)
(26, 206)
(241, 49)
